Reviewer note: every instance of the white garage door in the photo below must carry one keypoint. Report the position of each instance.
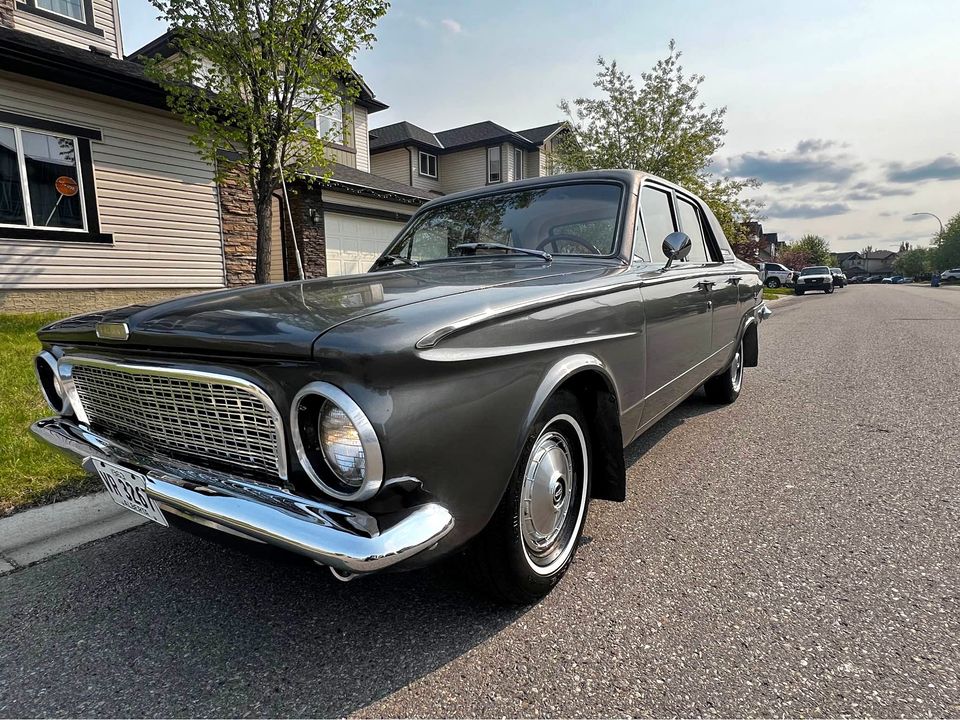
(353, 243)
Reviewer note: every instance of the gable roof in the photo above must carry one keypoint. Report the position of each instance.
(165, 46)
(540, 134)
(879, 254)
(363, 183)
(844, 256)
(45, 59)
(477, 134)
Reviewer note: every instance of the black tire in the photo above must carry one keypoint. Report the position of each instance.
(773, 282)
(798, 291)
(501, 562)
(828, 290)
(724, 388)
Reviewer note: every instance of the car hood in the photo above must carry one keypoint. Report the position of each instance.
(284, 320)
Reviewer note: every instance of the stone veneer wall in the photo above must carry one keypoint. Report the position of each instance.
(73, 302)
(239, 224)
(311, 239)
(6, 13)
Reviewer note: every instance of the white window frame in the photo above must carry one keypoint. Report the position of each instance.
(428, 156)
(81, 19)
(518, 163)
(499, 161)
(25, 185)
(334, 120)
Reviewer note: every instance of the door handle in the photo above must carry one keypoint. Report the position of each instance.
(705, 285)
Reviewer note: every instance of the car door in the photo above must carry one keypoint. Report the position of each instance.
(677, 307)
(722, 276)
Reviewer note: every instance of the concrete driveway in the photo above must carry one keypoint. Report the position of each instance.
(796, 553)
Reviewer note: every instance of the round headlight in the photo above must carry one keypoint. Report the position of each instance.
(341, 445)
(335, 442)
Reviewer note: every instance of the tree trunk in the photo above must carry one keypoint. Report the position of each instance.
(264, 211)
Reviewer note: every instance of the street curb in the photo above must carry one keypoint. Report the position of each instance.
(34, 535)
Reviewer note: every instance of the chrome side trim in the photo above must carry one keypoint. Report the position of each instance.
(344, 538)
(373, 479)
(67, 363)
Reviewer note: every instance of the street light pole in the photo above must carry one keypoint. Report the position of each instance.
(933, 216)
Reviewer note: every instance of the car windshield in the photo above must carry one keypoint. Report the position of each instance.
(815, 271)
(836, 270)
(562, 220)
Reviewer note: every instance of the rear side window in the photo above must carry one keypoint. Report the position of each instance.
(690, 224)
(658, 222)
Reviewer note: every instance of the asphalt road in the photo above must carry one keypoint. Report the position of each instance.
(796, 553)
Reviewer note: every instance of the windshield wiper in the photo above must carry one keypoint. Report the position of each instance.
(500, 246)
(397, 260)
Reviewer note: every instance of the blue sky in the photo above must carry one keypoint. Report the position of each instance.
(847, 111)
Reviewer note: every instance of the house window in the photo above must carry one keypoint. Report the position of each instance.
(72, 9)
(40, 186)
(493, 165)
(47, 189)
(330, 123)
(517, 164)
(428, 165)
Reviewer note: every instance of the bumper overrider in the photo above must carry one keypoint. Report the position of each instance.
(346, 539)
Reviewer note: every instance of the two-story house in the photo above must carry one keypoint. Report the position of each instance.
(104, 200)
(448, 161)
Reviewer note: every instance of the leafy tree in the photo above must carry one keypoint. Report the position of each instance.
(661, 127)
(249, 76)
(946, 251)
(808, 250)
(913, 261)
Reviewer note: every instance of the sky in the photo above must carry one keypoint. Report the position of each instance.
(847, 111)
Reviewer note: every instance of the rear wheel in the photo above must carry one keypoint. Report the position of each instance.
(773, 282)
(531, 539)
(725, 387)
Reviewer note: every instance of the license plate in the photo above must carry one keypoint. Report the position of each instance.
(129, 489)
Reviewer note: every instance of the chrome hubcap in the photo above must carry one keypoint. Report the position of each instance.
(736, 368)
(545, 497)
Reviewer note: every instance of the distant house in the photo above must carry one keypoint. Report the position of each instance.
(768, 244)
(851, 263)
(476, 155)
(879, 262)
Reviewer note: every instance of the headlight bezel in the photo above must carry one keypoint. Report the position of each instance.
(43, 363)
(305, 413)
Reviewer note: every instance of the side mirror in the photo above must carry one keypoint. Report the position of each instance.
(676, 246)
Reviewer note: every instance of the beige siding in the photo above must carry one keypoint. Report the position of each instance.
(361, 138)
(155, 195)
(393, 165)
(464, 170)
(422, 181)
(104, 18)
(344, 157)
(276, 241)
(532, 164)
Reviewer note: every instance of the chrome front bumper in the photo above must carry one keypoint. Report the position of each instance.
(346, 539)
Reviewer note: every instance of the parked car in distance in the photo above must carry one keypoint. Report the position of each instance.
(470, 394)
(874, 279)
(893, 279)
(952, 275)
(855, 280)
(773, 275)
(839, 279)
(815, 277)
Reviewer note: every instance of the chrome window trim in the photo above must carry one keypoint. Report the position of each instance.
(66, 377)
(373, 479)
(66, 400)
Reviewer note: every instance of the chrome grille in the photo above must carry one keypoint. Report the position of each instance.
(203, 415)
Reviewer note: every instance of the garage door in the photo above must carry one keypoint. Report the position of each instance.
(353, 243)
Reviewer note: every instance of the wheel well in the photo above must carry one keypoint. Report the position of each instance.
(599, 404)
(751, 346)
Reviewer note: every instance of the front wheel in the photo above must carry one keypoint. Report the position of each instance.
(725, 387)
(798, 291)
(829, 290)
(530, 541)
(773, 282)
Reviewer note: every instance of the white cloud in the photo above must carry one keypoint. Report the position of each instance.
(452, 25)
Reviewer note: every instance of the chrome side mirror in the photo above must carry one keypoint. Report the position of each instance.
(676, 246)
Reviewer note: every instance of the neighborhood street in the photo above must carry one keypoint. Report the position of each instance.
(795, 553)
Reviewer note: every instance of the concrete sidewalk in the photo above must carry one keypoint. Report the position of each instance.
(34, 535)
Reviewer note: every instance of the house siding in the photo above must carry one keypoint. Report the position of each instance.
(104, 19)
(394, 165)
(361, 138)
(532, 162)
(154, 194)
(464, 170)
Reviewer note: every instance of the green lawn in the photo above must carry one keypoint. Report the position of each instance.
(774, 293)
(29, 472)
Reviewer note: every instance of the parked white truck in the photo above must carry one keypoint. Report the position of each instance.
(773, 275)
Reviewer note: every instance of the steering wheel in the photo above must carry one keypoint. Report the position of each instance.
(554, 239)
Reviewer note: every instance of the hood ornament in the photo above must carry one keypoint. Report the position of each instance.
(112, 331)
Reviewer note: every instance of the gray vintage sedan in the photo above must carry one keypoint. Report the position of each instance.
(469, 395)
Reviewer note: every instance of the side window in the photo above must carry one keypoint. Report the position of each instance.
(774, 267)
(658, 220)
(690, 224)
